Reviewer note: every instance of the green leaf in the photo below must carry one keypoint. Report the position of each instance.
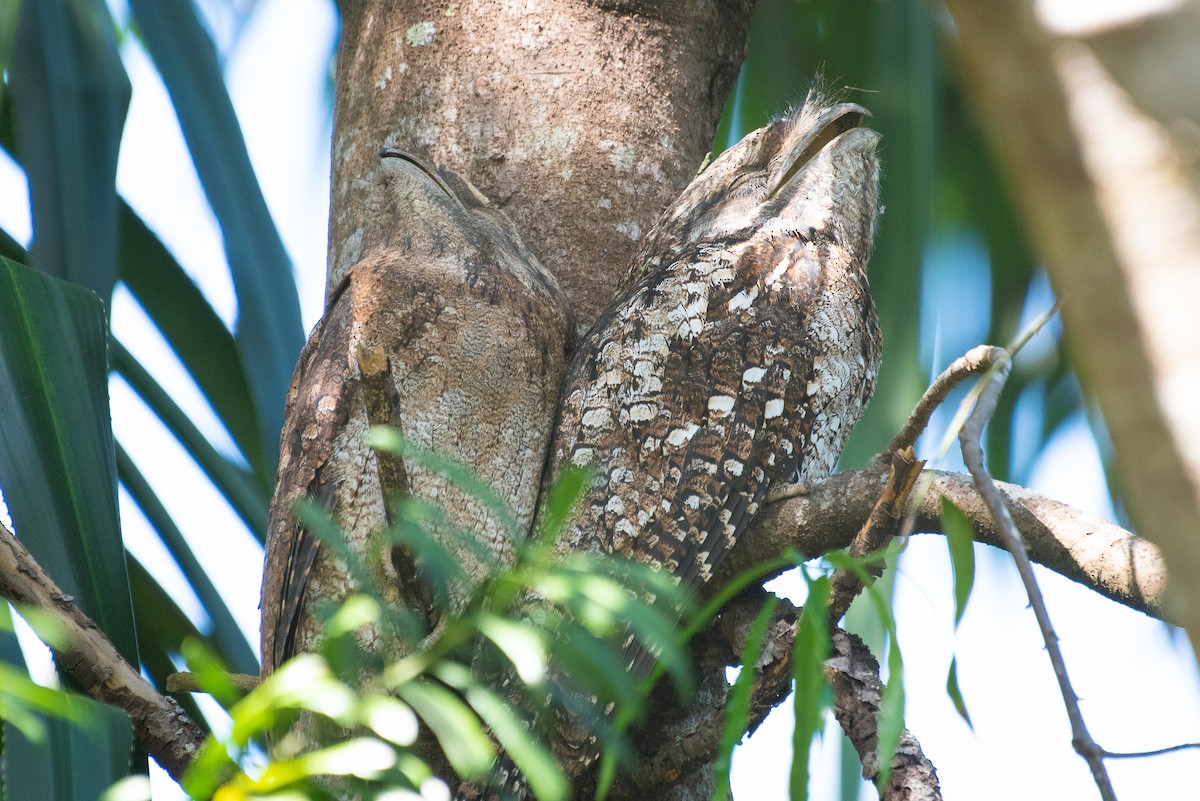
(809, 652)
(248, 498)
(523, 644)
(390, 440)
(955, 693)
(132, 788)
(72, 763)
(456, 728)
(304, 682)
(319, 524)
(162, 630)
(534, 761)
(8, 32)
(561, 498)
(577, 653)
(960, 540)
(70, 93)
(269, 331)
(23, 702)
(891, 708)
(737, 708)
(57, 466)
(226, 635)
(186, 320)
(10, 248)
(391, 719)
(364, 757)
(198, 336)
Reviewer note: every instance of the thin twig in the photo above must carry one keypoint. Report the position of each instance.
(971, 438)
(878, 529)
(159, 724)
(1156, 752)
(854, 676)
(977, 360)
(186, 682)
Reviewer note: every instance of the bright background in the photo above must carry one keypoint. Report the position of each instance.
(1137, 677)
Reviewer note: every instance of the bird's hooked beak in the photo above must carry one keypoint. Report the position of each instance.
(425, 169)
(809, 140)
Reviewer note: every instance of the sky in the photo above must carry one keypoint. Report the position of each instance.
(1137, 677)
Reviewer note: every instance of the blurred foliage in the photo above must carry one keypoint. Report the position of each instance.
(511, 656)
(952, 268)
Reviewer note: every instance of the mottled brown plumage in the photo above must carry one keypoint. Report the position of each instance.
(451, 332)
(744, 351)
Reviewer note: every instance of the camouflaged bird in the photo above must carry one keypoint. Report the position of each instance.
(446, 328)
(742, 354)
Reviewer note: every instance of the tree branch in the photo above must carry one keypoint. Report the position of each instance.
(160, 725)
(970, 437)
(1088, 122)
(881, 525)
(1085, 548)
(977, 360)
(853, 675)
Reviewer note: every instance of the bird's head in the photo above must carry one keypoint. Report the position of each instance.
(435, 212)
(812, 172)
(433, 208)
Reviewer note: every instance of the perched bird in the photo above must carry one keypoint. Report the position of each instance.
(740, 356)
(447, 329)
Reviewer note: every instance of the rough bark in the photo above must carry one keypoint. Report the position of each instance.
(583, 120)
(159, 724)
(1095, 552)
(679, 747)
(1099, 144)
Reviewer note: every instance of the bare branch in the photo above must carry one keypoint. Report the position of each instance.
(1156, 752)
(978, 359)
(971, 438)
(1086, 120)
(186, 682)
(1084, 548)
(160, 725)
(853, 674)
(881, 525)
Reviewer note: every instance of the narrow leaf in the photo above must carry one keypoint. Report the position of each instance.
(247, 497)
(956, 696)
(810, 650)
(737, 708)
(534, 761)
(71, 94)
(198, 336)
(960, 540)
(891, 713)
(162, 629)
(269, 331)
(457, 730)
(390, 440)
(73, 763)
(891, 709)
(57, 465)
(523, 644)
(227, 636)
(561, 498)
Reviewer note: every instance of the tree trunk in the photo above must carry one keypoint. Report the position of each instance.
(582, 121)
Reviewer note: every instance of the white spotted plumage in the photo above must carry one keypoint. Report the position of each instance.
(741, 355)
